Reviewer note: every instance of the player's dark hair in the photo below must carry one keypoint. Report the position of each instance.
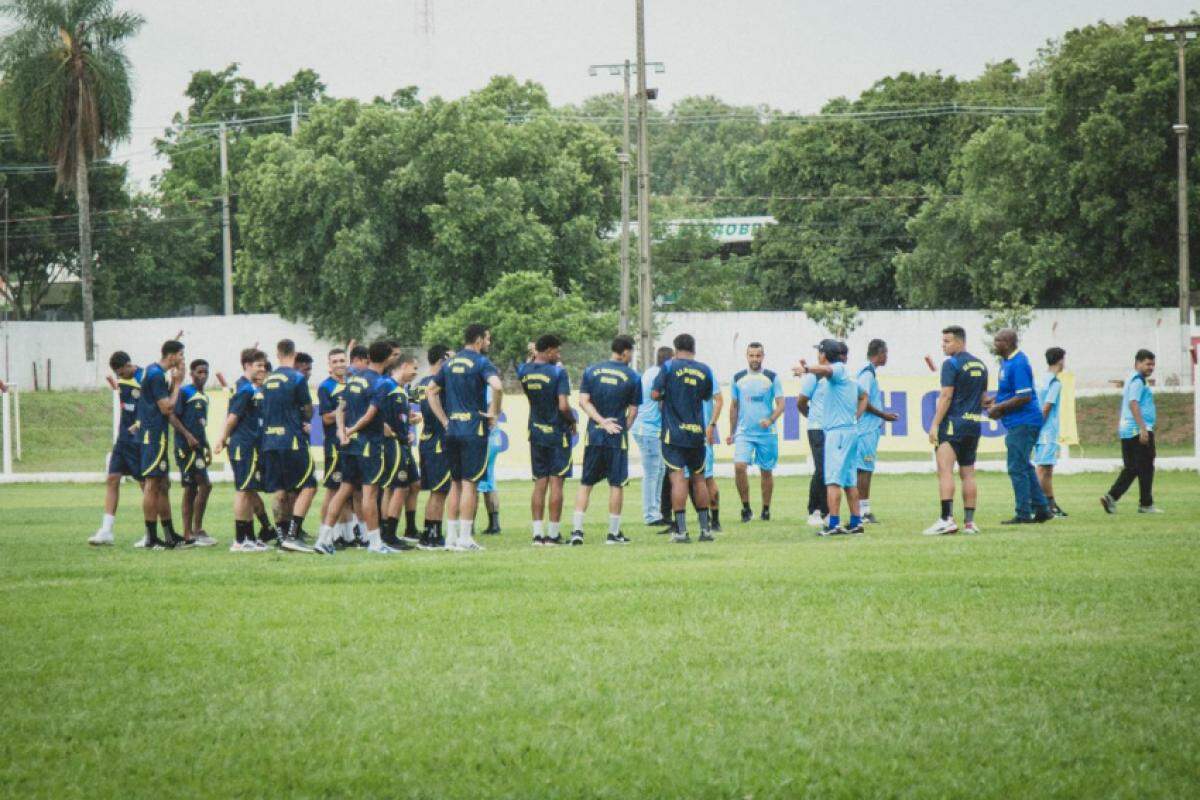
(753, 345)
(197, 362)
(337, 351)
(547, 341)
(1054, 356)
(303, 358)
(360, 353)
(406, 358)
(118, 360)
(622, 344)
(685, 341)
(171, 347)
(956, 331)
(248, 355)
(474, 332)
(875, 347)
(258, 355)
(379, 352)
(1143, 355)
(286, 347)
(436, 353)
(663, 355)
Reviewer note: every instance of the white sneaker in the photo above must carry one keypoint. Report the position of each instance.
(467, 544)
(100, 538)
(204, 540)
(381, 548)
(1149, 510)
(242, 547)
(140, 543)
(941, 528)
(816, 520)
(257, 546)
(971, 527)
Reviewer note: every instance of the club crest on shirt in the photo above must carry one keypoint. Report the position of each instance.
(337, 476)
(135, 393)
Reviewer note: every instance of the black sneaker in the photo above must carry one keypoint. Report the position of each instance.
(1019, 521)
(539, 541)
(438, 542)
(393, 541)
(857, 530)
(1043, 515)
(156, 544)
(302, 536)
(715, 527)
(666, 529)
(266, 535)
(621, 538)
(747, 515)
(1109, 504)
(554, 541)
(1058, 512)
(765, 516)
(870, 519)
(175, 541)
(706, 536)
(576, 538)
(610, 539)
(664, 521)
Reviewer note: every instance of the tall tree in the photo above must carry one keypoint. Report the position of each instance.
(66, 70)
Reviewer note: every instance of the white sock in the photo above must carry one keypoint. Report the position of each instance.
(554, 528)
(577, 521)
(451, 532)
(373, 539)
(107, 524)
(614, 523)
(537, 528)
(464, 529)
(325, 535)
(864, 507)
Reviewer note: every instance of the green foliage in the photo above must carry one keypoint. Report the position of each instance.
(521, 307)
(836, 316)
(691, 275)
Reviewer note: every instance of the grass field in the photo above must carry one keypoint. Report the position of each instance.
(1059, 660)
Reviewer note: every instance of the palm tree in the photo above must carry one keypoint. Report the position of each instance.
(65, 70)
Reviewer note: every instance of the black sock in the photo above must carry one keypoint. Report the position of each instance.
(169, 530)
(947, 509)
(243, 530)
(437, 527)
(704, 514)
(294, 525)
(968, 514)
(410, 522)
(766, 509)
(389, 527)
(264, 521)
(494, 520)
(715, 515)
(681, 521)
(746, 506)
(151, 530)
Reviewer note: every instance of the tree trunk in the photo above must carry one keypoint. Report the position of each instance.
(84, 201)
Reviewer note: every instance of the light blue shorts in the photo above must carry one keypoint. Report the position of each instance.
(762, 453)
(710, 461)
(868, 447)
(1045, 455)
(488, 484)
(841, 457)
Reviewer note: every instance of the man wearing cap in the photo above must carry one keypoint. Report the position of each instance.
(811, 402)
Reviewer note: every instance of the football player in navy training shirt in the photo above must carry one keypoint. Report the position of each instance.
(681, 387)
(192, 410)
(155, 412)
(458, 398)
(403, 476)
(551, 426)
(329, 396)
(243, 432)
(286, 457)
(956, 428)
(126, 453)
(435, 470)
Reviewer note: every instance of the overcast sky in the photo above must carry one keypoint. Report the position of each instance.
(791, 54)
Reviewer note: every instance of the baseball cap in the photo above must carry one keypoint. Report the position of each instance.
(832, 349)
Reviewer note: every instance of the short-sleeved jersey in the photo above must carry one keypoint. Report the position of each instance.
(155, 386)
(1049, 393)
(329, 393)
(868, 381)
(683, 386)
(366, 389)
(543, 385)
(1136, 388)
(649, 418)
(612, 387)
(755, 393)
(285, 397)
(1016, 380)
(841, 399)
(431, 426)
(129, 389)
(463, 383)
(814, 389)
(394, 407)
(968, 375)
(707, 409)
(246, 405)
(192, 409)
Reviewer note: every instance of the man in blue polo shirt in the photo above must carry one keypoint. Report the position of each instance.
(1015, 405)
(756, 401)
(1136, 429)
(811, 402)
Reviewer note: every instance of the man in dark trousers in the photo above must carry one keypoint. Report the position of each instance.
(1136, 429)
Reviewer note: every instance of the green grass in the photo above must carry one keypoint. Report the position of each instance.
(1059, 660)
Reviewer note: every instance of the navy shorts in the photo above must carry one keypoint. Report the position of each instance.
(287, 470)
(468, 457)
(402, 469)
(153, 457)
(690, 458)
(193, 464)
(332, 476)
(126, 459)
(965, 448)
(605, 463)
(435, 470)
(367, 468)
(247, 471)
(550, 461)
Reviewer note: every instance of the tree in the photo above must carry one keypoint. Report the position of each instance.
(521, 307)
(65, 67)
(836, 316)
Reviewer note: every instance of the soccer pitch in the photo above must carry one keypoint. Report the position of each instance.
(1055, 660)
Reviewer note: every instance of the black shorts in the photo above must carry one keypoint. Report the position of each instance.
(331, 478)
(965, 448)
(152, 462)
(402, 469)
(288, 470)
(550, 461)
(605, 463)
(247, 471)
(367, 468)
(689, 458)
(467, 457)
(435, 470)
(126, 459)
(193, 464)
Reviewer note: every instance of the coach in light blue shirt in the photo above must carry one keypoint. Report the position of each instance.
(1016, 407)
(646, 430)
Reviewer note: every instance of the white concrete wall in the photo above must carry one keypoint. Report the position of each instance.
(1100, 344)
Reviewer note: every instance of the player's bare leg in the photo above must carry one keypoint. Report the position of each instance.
(537, 508)
(741, 479)
(200, 506)
(767, 479)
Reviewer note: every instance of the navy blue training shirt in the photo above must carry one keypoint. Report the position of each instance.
(285, 398)
(543, 385)
(683, 385)
(463, 383)
(968, 375)
(612, 387)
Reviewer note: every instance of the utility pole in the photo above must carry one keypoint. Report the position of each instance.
(645, 278)
(226, 233)
(1180, 34)
(625, 158)
(295, 116)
